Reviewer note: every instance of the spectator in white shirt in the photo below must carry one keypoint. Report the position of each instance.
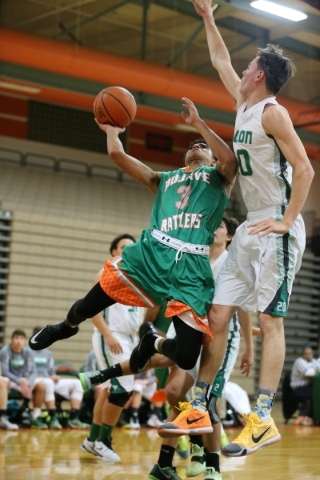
(302, 373)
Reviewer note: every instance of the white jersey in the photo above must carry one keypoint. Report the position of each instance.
(216, 265)
(265, 176)
(123, 318)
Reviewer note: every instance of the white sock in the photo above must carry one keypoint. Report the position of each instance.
(156, 343)
(36, 413)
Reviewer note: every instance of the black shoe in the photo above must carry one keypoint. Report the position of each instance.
(166, 473)
(50, 334)
(142, 353)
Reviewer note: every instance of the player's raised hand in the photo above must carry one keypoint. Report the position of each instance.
(109, 128)
(204, 7)
(192, 116)
(263, 227)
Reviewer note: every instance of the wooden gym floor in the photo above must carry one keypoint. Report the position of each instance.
(55, 455)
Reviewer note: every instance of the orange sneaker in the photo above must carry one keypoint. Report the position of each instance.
(190, 422)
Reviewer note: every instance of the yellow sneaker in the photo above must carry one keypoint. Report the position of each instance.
(190, 422)
(256, 434)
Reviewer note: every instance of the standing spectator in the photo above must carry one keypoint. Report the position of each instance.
(18, 366)
(302, 373)
(68, 388)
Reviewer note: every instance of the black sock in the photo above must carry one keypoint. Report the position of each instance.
(74, 413)
(212, 460)
(196, 439)
(53, 413)
(135, 413)
(166, 456)
(157, 411)
(112, 372)
(3, 413)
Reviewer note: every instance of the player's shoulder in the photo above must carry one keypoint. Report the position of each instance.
(274, 111)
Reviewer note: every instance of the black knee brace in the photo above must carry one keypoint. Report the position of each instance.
(214, 417)
(119, 399)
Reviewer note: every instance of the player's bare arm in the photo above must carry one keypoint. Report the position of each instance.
(220, 57)
(133, 167)
(276, 123)
(227, 163)
(246, 333)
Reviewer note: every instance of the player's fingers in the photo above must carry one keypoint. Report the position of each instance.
(214, 7)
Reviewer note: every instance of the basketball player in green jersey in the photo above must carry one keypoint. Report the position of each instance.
(170, 260)
(275, 175)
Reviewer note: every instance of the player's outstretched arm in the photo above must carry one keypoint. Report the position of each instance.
(220, 57)
(133, 167)
(227, 163)
(277, 123)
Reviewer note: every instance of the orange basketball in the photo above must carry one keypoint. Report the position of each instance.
(115, 106)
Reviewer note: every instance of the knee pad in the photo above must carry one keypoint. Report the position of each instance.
(73, 317)
(119, 399)
(214, 417)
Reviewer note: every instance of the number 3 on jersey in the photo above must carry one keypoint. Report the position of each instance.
(185, 192)
(244, 163)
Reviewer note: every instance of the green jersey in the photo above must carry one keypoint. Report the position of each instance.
(189, 205)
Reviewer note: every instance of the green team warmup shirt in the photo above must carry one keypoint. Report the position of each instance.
(189, 207)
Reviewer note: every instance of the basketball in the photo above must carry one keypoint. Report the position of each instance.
(115, 106)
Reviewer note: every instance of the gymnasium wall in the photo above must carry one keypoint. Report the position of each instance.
(61, 232)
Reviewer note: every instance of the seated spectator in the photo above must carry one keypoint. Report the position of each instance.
(302, 373)
(4, 421)
(68, 388)
(18, 366)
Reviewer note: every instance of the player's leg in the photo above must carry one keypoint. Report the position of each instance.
(274, 277)
(178, 384)
(195, 420)
(96, 377)
(38, 392)
(4, 421)
(94, 302)
(88, 443)
(184, 349)
(70, 388)
(111, 412)
(50, 402)
(260, 429)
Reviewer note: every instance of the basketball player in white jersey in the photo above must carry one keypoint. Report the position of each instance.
(114, 338)
(275, 176)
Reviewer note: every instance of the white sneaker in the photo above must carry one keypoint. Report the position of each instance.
(134, 423)
(87, 446)
(105, 453)
(154, 421)
(4, 423)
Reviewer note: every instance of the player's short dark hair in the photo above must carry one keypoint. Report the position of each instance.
(199, 140)
(116, 240)
(18, 332)
(231, 224)
(278, 69)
